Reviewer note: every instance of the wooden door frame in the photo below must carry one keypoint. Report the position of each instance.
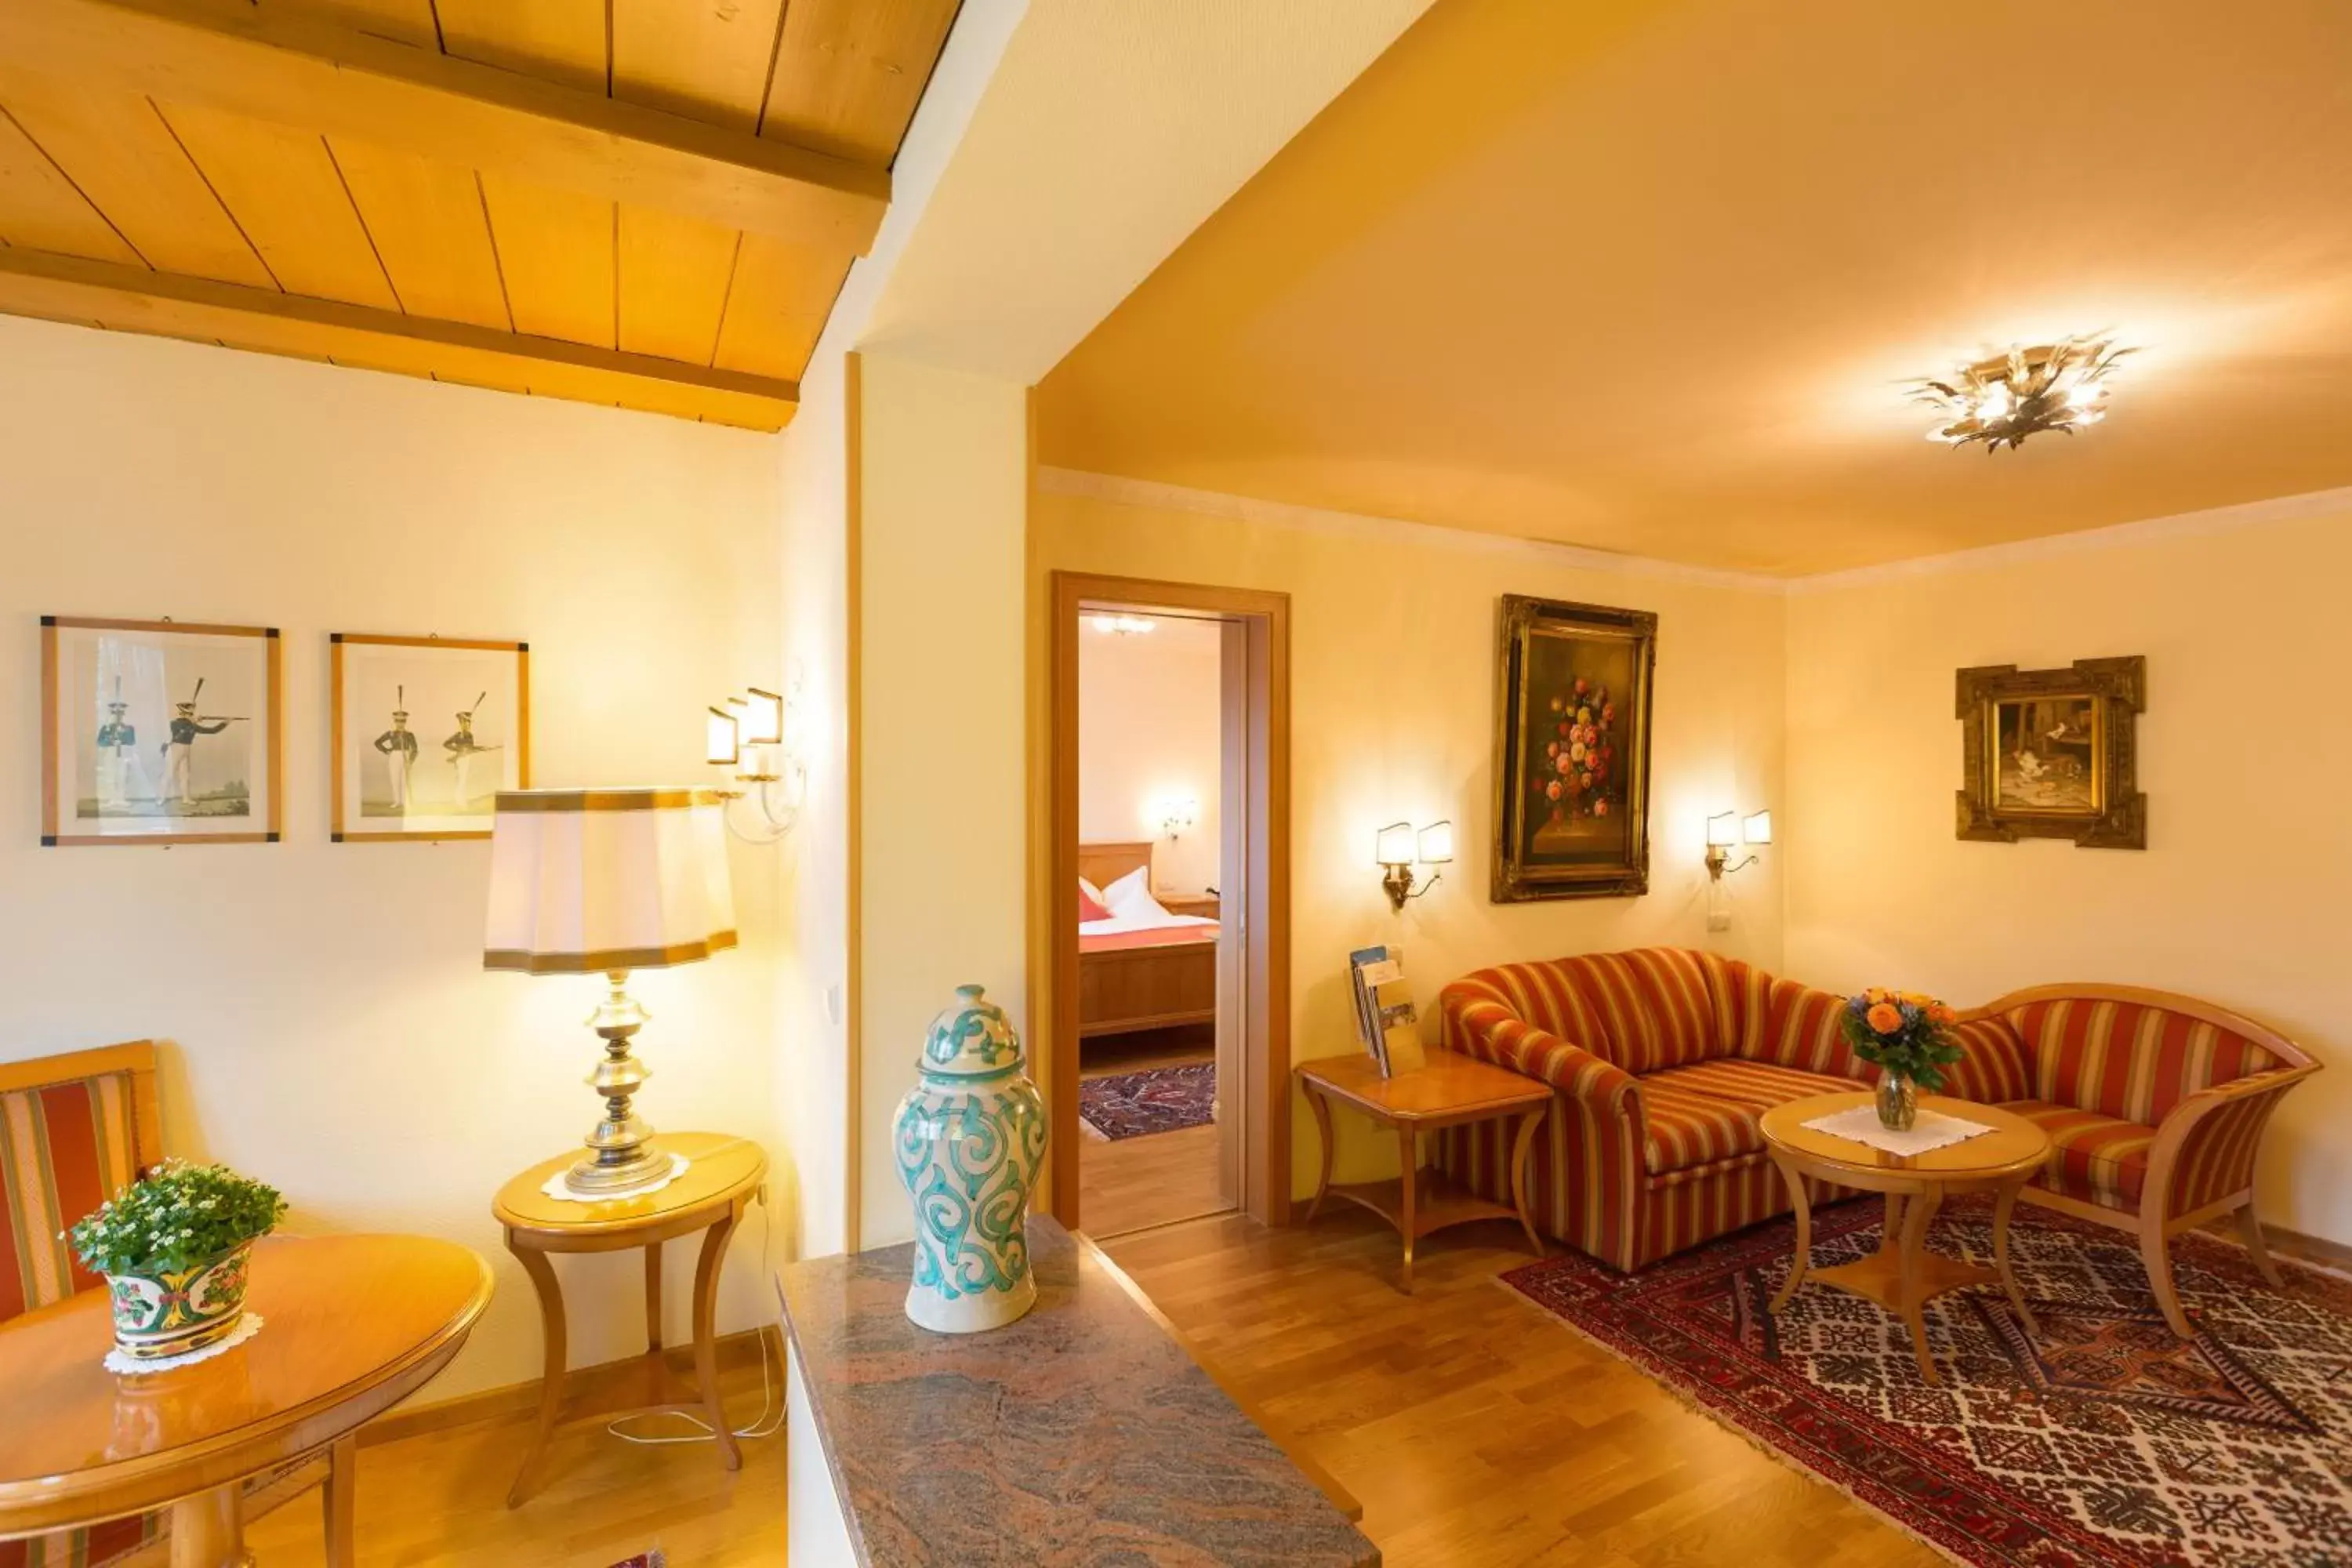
(1265, 1100)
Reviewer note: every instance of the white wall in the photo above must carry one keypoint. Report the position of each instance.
(2239, 896)
(327, 1022)
(1149, 727)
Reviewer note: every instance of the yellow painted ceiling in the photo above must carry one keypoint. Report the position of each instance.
(1652, 277)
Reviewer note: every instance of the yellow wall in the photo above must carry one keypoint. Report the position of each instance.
(328, 1026)
(1151, 727)
(2240, 896)
(943, 481)
(1392, 675)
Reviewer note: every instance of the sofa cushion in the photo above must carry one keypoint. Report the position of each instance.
(2128, 1059)
(64, 1148)
(1708, 1111)
(2098, 1159)
(1658, 1006)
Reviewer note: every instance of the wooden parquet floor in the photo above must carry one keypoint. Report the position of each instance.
(1131, 1183)
(1475, 1429)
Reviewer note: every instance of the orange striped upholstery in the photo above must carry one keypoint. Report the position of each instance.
(1996, 1069)
(2128, 1059)
(1699, 1115)
(2099, 1159)
(2217, 1158)
(64, 1148)
(1794, 1025)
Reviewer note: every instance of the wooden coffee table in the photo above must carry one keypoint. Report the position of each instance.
(352, 1325)
(1451, 1091)
(1901, 1276)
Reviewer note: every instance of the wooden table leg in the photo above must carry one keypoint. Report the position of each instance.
(657, 1378)
(535, 1263)
(1801, 1258)
(1521, 1147)
(339, 1498)
(208, 1530)
(2003, 1208)
(705, 1337)
(1916, 1215)
(1322, 1110)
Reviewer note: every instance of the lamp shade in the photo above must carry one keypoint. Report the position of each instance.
(1394, 845)
(1437, 843)
(1758, 828)
(589, 880)
(1723, 827)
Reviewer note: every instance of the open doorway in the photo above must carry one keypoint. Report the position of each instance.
(1171, 799)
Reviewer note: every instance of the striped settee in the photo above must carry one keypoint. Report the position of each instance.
(1663, 1059)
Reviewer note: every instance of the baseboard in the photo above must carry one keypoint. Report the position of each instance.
(582, 1386)
(2311, 1249)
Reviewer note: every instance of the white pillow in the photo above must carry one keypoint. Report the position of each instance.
(1090, 890)
(1130, 898)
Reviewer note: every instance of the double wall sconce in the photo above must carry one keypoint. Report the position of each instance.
(1726, 829)
(1398, 847)
(746, 733)
(1176, 813)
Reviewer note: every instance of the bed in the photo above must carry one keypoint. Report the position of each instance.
(1141, 973)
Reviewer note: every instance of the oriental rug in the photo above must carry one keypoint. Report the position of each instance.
(2103, 1440)
(1160, 1100)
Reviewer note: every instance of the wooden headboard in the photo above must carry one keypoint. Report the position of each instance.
(1103, 863)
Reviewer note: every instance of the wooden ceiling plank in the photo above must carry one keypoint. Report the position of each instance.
(849, 73)
(135, 300)
(427, 223)
(404, 21)
(673, 281)
(777, 306)
(298, 72)
(563, 40)
(707, 62)
(119, 152)
(282, 188)
(39, 207)
(556, 252)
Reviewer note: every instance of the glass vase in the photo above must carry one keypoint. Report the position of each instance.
(1898, 1100)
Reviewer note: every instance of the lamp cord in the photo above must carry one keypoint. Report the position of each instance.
(771, 1416)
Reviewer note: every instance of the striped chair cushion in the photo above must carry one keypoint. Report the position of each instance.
(1710, 1111)
(65, 1148)
(1658, 1006)
(1994, 1069)
(1794, 1025)
(2127, 1059)
(2099, 1159)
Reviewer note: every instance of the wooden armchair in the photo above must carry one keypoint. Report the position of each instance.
(75, 1130)
(2155, 1104)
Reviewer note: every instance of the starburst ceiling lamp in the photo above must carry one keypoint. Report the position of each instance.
(2002, 399)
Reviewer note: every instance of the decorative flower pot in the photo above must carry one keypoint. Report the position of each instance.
(167, 1313)
(1898, 1100)
(971, 1137)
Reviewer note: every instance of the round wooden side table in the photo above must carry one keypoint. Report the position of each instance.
(350, 1326)
(723, 1175)
(1901, 1276)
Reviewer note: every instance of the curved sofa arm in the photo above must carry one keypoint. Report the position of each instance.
(1485, 1029)
(2205, 1147)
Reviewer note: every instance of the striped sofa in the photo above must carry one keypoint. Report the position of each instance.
(1663, 1059)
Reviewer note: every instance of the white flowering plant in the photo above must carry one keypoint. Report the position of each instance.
(176, 1215)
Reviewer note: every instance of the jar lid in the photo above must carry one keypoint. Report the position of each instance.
(971, 1039)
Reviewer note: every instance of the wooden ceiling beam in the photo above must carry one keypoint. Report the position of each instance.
(132, 299)
(318, 76)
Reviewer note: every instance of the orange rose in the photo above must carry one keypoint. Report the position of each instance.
(1885, 1017)
(1940, 1014)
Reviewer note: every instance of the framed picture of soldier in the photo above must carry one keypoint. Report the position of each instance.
(426, 732)
(159, 733)
(1572, 749)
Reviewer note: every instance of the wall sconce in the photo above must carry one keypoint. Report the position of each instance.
(1177, 813)
(1398, 847)
(746, 733)
(1726, 828)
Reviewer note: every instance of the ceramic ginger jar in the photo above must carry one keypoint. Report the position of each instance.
(969, 1138)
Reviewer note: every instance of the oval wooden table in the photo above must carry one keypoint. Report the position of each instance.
(352, 1325)
(1901, 1276)
(723, 1174)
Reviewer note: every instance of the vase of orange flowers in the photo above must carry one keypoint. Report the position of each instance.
(1907, 1036)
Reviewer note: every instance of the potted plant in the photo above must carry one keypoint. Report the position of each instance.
(174, 1247)
(1905, 1036)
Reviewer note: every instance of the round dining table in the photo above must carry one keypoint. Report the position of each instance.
(350, 1326)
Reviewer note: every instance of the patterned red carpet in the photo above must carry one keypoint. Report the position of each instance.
(1161, 1099)
(2106, 1440)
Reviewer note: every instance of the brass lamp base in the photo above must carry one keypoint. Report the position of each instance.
(621, 1157)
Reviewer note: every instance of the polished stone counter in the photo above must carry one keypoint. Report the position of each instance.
(1081, 1434)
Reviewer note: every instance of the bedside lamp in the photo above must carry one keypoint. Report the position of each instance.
(604, 881)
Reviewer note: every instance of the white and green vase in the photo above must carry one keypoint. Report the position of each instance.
(971, 1137)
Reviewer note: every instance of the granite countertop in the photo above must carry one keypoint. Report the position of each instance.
(1081, 1434)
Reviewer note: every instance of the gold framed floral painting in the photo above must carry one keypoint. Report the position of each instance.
(2052, 753)
(1573, 751)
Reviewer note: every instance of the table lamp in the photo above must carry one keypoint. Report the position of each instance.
(605, 881)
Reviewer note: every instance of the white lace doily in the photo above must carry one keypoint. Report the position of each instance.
(554, 1188)
(245, 1328)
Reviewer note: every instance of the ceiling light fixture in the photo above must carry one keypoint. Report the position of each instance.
(2002, 399)
(1120, 626)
